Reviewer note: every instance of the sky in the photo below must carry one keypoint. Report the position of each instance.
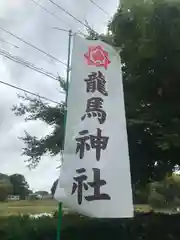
(30, 22)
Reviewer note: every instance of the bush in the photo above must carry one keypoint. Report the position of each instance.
(156, 200)
(140, 196)
(147, 227)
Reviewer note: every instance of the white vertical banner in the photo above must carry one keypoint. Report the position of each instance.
(95, 174)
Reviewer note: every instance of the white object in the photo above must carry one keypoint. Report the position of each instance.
(95, 174)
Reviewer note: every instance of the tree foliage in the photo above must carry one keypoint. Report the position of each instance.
(148, 34)
(5, 190)
(42, 193)
(54, 186)
(34, 109)
(14, 184)
(165, 193)
(19, 185)
(4, 178)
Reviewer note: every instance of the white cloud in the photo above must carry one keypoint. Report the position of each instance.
(33, 24)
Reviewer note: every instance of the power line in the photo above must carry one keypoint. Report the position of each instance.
(104, 11)
(27, 64)
(48, 11)
(68, 13)
(55, 16)
(31, 45)
(28, 92)
(2, 40)
(71, 15)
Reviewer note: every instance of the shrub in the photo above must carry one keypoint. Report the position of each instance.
(140, 196)
(156, 200)
(147, 227)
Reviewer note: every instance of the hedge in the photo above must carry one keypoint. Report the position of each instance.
(143, 227)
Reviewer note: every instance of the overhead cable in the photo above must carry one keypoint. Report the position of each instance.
(28, 92)
(71, 15)
(2, 40)
(98, 6)
(31, 45)
(47, 10)
(55, 16)
(27, 64)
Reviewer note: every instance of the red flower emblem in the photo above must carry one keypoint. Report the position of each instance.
(97, 56)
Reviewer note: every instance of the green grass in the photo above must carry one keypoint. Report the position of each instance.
(49, 206)
(41, 206)
(142, 208)
(27, 207)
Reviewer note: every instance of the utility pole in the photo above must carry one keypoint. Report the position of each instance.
(60, 210)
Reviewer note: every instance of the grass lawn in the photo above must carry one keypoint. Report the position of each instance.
(144, 208)
(41, 206)
(27, 207)
(48, 206)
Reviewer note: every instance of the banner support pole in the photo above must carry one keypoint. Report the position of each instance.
(60, 210)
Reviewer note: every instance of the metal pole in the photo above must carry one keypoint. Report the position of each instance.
(60, 210)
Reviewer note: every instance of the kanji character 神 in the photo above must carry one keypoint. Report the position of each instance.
(86, 142)
(82, 144)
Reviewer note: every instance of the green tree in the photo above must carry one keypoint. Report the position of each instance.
(4, 177)
(20, 185)
(53, 189)
(42, 193)
(169, 189)
(148, 35)
(34, 109)
(5, 190)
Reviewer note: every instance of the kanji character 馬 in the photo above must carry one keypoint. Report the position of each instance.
(94, 109)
